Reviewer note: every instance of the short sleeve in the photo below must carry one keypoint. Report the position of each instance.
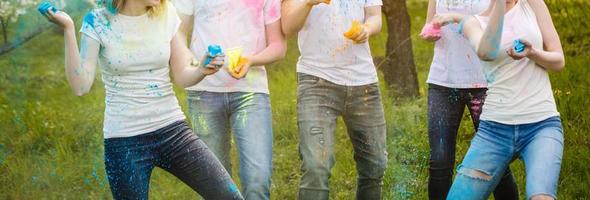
(173, 20)
(89, 26)
(373, 3)
(272, 11)
(185, 7)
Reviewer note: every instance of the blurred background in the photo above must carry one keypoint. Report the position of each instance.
(51, 142)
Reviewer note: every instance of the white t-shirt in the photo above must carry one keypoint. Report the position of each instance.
(231, 23)
(134, 56)
(455, 63)
(519, 90)
(327, 54)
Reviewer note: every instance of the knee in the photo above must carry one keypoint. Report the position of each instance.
(475, 174)
(542, 197)
(379, 166)
(441, 161)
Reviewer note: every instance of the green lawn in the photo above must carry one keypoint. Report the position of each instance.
(51, 141)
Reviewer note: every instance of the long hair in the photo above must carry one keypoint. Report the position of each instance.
(113, 6)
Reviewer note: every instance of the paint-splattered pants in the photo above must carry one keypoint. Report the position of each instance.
(129, 163)
(319, 104)
(539, 145)
(248, 116)
(445, 112)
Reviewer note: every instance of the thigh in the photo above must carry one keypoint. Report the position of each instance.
(210, 120)
(319, 103)
(445, 112)
(129, 164)
(484, 164)
(251, 123)
(365, 121)
(185, 156)
(475, 100)
(542, 158)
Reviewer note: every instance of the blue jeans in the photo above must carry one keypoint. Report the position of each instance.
(319, 104)
(129, 163)
(539, 145)
(445, 111)
(248, 116)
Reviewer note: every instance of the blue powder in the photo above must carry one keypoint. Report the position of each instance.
(212, 51)
(44, 8)
(89, 19)
(232, 187)
(153, 86)
(110, 7)
(519, 46)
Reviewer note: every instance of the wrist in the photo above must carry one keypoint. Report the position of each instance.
(200, 72)
(532, 53)
(69, 30)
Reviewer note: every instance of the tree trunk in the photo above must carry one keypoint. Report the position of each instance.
(399, 68)
(4, 30)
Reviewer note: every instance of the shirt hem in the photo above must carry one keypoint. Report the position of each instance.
(525, 120)
(338, 82)
(461, 85)
(226, 90)
(146, 131)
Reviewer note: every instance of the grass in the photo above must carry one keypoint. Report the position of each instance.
(51, 141)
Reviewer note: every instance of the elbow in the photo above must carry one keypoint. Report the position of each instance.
(559, 66)
(288, 31)
(181, 83)
(378, 29)
(289, 28)
(81, 92)
(283, 50)
(280, 49)
(487, 55)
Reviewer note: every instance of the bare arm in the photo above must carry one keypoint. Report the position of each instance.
(186, 26)
(276, 47)
(275, 50)
(295, 14)
(183, 73)
(551, 57)
(80, 65)
(373, 20)
(431, 10)
(487, 42)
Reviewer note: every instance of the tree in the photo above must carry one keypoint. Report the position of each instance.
(399, 67)
(10, 10)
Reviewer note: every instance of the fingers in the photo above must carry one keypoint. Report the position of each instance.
(362, 36)
(217, 61)
(430, 38)
(50, 15)
(526, 43)
(209, 71)
(241, 71)
(513, 54)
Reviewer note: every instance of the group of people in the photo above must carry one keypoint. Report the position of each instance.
(137, 43)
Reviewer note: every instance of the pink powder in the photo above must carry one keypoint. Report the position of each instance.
(274, 10)
(257, 6)
(431, 30)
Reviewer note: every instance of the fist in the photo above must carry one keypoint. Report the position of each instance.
(60, 18)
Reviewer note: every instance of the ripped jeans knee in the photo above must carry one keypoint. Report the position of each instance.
(474, 173)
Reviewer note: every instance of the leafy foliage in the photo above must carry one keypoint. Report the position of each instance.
(571, 20)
